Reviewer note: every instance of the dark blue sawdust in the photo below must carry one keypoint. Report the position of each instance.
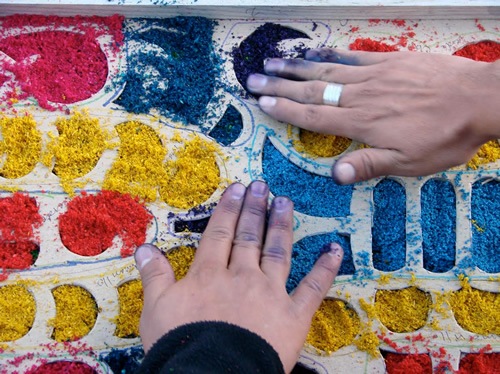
(193, 226)
(229, 128)
(312, 194)
(389, 226)
(123, 361)
(485, 211)
(306, 251)
(190, 69)
(438, 222)
(249, 56)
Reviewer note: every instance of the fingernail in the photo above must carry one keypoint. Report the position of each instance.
(335, 250)
(144, 254)
(274, 66)
(256, 82)
(344, 173)
(267, 102)
(281, 204)
(237, 190)
(258, 189)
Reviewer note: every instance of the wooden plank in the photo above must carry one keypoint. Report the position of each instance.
(274, 9)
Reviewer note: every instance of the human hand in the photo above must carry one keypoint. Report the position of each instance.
(238, 276)
(419, 112)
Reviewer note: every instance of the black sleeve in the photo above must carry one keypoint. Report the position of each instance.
(211, 347)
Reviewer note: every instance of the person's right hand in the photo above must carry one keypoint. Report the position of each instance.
(239, 275)
(419, 112)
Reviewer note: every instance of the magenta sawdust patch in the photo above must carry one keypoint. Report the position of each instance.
(55, 60)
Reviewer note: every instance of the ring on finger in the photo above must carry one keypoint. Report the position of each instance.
(332, 93)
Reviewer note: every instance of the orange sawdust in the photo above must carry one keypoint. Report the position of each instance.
(488, 152)
(192, 175)
(20, 146)
(138, 169)
(17, 312)
(131, 301)
(76, 313)
(180, 259)
(403, 310)
(475, 310)
(334, 326)
(76, 149)
(321, 145)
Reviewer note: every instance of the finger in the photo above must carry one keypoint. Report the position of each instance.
(365, 164)
(313, 288)
(345, 57)
(275, 260)
(303, 70)
(249, 237)
(155, 270)
(319, 118)
(215, 244)
(310, 92)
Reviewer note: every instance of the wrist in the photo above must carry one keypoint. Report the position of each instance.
(486, 103)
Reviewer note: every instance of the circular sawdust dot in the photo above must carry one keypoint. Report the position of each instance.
(321, 145)
(19, 225)
(482, 362)
(63, 367)
(476, 310)
(407, 363)
(484, 50)
(334, 325)
(76, 313)
(17, 312)
(403, 310)
(192, 174)
(20, 146)
(131, 302)
(76, 149)
(92, 222)
(138, 168)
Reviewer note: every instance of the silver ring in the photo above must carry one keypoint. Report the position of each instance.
(331, 94)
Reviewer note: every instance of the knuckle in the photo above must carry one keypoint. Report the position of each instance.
(230, 206)
(258, 210)
(368, 163)
(326, 73)
(309, 93)
(245, 275)
(361, 119)
(369, 91)
(275, 253)
(219, 233)
(314, 285)
(280, 224)
(150, 277)
(311, 115)
(327, 267)
(204, 273)
(246, 237)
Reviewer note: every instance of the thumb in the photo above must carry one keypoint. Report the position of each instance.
(365, 164)
(155, 270)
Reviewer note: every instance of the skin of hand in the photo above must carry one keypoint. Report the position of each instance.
(238, 276)
(419, 112)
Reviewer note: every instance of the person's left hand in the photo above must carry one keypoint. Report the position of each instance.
(238, 276)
